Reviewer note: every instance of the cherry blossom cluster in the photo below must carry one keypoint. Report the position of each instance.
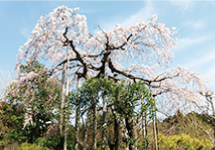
(136, 52)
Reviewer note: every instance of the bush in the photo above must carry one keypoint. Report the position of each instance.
(34, 146)
(183, 141)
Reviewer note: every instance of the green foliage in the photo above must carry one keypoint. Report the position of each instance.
(52, 142)
(183, 141)
(11, 123)
(34, 146)
(180, 123)
(43, 97)
(46, 91)
(129, 100)
(128, 97)
(125, 96)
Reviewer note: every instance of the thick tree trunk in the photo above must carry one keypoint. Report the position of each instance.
(116, 133)
(144, 129)
(94, 125)
(129, 133)
(77, 118)
(144, 125)
(67, 92)
(125, 136)
(86, 132)
(77, 127)
(156, 123)
(114, 143)
(104, 126)
(62, 103)
(155, 133)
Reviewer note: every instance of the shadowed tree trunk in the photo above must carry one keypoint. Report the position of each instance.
(156, 123)
(86, 131)
(114, 143)
(104, 126)
(67, 92)
(130, 125)
(94, 125)
(144, 129)
(62, 103)
(155, 132)
(77, 118)
(104, 118)
(125, 136)
(116, 132)
(144, 125)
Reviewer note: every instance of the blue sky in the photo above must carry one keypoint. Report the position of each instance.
(195, 47)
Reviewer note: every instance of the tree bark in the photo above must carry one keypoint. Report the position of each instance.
(104, 125)
(94, 125)
(144, 125)
(86, 132)
(125, 134)
(77, 120)
(156, 124)
(155, 133)
(144, 129)
(131, 132)
(62, 101)
(116, 133)
(114, 143)
(67, 92)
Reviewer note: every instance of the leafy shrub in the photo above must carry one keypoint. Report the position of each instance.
(183, 141)
(34, 146)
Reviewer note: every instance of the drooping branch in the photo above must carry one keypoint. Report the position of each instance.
(58, 69)
(78, 56)
(113, 69)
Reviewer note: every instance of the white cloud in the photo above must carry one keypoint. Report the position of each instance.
(183, 43)
(201, 61)
(194, 24)
(144, 13)
(204, 59)
(183, 5)
(25, 32)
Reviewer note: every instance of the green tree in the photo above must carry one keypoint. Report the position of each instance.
(11, 124)
(124, 101)
(45, 93)
(183, 141)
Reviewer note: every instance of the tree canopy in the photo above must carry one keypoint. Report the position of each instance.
(133, 53)
(127, 67)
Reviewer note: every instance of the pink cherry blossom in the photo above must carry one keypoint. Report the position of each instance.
(140, 51)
